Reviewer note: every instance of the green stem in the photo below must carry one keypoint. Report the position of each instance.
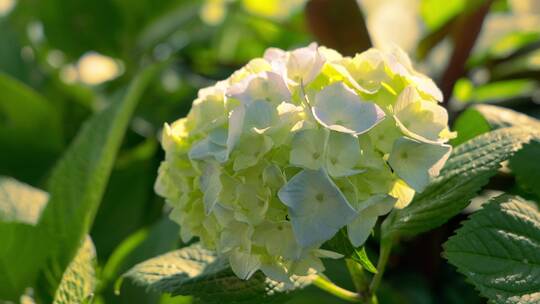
(358, 276)
(384, 254)
(337, 291)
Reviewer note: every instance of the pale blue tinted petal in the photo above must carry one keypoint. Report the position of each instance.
(210, 185)
(267, 86)
(317, 208)
(205, 149)
(343, 153)
(340, 109)
(360, 229)
(243, 264)
(307, 148)
(416, 162)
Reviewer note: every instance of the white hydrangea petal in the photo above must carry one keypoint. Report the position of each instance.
(308, 147)
(416, 162)
(236, 125)
(343, 153)
(260, 115)
(213, 146)
(340, 109)
(244, 264)
(267, 86)
(304, 64)
(279, 239)
(250, 150)
(210, 185)
(360, 229)
(368, 212)
(317, 208)
(420, 119)
(428, 86)
(275, 271)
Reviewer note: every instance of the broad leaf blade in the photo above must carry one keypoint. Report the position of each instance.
(479, 119)
(199, 272)
(498, 249)
(77, 184)
(499, 117)
(468, 169)
(20, 210)
(79, 279)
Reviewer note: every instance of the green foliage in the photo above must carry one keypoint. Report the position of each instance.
(497, 249)
(340, 243)
(78, 182)
(42, 108)
(22, 156)
(468, 169)
(199, 272)
(79, 279)
(526, 167)
(499, 117)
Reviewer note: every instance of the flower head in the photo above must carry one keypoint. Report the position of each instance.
(272, 162)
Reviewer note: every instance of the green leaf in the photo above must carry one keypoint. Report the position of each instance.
(340, 243)
(468, 125)
(361, 257)
(468, 169)
(21, 207)
(479, 119)
(78, 182)
(24, 114)
(498, 249)
(199, 272)
(75, 190)
(526, 167)
(499, 117)
(79, 279)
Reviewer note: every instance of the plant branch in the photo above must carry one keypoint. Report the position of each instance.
(384, 254)
(342, 293)
(358, 276)
(466, 31)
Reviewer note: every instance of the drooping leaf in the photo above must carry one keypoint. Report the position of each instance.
(79, 279)
(199, 272)
(21, 207)
(468, 169)
(498, 249)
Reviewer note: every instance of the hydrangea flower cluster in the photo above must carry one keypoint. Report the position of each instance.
(272, 162)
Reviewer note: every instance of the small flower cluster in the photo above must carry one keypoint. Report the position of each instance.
(272, 162)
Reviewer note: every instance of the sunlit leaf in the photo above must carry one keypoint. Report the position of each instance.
(79, 280)
(497, 249)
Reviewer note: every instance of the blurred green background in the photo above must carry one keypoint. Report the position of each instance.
(63, 60)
